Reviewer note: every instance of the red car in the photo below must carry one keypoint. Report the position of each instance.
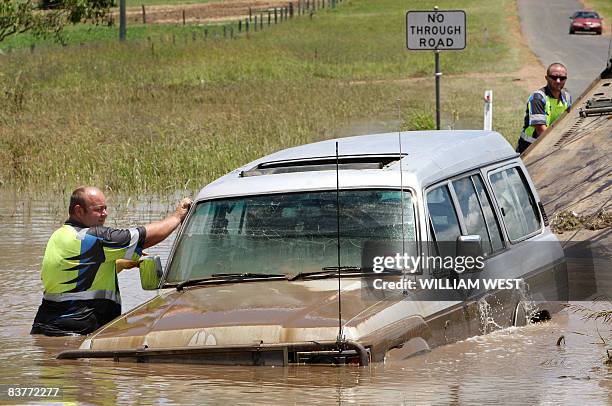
(588, 21)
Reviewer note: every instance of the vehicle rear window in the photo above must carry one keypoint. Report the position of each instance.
(519, 211)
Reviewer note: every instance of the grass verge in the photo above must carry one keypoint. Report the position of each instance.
(161, 115)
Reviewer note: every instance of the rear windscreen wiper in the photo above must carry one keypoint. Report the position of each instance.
(229, 277)
(344, 270)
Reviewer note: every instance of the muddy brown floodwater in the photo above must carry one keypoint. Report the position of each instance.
(511, 366)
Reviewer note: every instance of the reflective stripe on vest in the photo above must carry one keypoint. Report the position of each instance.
(86, 295)
(553, 108)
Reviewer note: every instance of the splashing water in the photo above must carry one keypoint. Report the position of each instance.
(487, 323)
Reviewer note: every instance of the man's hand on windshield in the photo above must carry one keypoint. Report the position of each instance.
(183, 207)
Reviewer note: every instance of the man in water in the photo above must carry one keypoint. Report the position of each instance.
(545, 105)
(81, 290)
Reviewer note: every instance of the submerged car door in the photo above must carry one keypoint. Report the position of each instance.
(467, 210)
(474, 213)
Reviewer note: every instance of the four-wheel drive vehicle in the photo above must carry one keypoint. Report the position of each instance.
(276, 262)
(586, 21)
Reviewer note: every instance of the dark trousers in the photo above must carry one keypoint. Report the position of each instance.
(522, 145)
(73, 317)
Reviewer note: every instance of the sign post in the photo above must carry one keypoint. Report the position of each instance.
(436, 30)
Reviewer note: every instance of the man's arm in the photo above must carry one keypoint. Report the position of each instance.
(540, 128)
(158, 231)
(537, 113)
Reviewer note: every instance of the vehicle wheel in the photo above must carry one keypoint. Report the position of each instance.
(571, 31)
(519, 318)
(540, 316)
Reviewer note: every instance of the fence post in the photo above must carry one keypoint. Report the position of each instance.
(260, 21)
(183, 17)
(231, 32)
(193, 35)
(144, 15)
(224, 32)
(291, 10)
(268, 16)
(205, 32)
(246, 22)
(255, 25)
(239, 25)
(250, 14)
(275, 15)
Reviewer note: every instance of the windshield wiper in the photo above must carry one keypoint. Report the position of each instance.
(248, 275)
(229, 277)
(330, 271)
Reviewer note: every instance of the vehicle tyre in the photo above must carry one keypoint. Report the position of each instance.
(571, 31)
(519, 317)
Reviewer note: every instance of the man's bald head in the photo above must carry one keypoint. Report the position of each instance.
(553, 66)
(88, 206)
(79, 197)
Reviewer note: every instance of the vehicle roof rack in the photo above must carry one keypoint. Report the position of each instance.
(325, 163)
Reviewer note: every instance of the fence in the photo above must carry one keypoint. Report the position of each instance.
(254, 20)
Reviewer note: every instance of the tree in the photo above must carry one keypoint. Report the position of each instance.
(18, 16)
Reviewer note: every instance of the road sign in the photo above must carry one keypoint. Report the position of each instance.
(435, 30)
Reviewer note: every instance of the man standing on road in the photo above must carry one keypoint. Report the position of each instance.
(545, 105)
(81, 290)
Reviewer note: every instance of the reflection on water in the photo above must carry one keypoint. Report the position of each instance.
(517, 365)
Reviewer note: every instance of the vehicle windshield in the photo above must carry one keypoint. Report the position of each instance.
(289, 233)
(586, 15)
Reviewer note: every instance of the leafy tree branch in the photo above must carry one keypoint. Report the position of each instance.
(50, 17)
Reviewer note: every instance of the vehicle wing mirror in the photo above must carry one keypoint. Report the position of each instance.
(470, 246)
(151, 272)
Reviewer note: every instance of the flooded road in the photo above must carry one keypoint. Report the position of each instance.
(512, 366)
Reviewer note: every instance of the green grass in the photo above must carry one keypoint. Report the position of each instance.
(161, 115)
(87, 34)
(604, 8)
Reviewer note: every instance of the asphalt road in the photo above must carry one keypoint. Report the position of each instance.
(545, 24)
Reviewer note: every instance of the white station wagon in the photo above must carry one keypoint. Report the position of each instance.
(295, 257)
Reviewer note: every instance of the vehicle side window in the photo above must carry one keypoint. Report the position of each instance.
(443, 219)
(477, 215)
(492, 224)
(520, 214)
